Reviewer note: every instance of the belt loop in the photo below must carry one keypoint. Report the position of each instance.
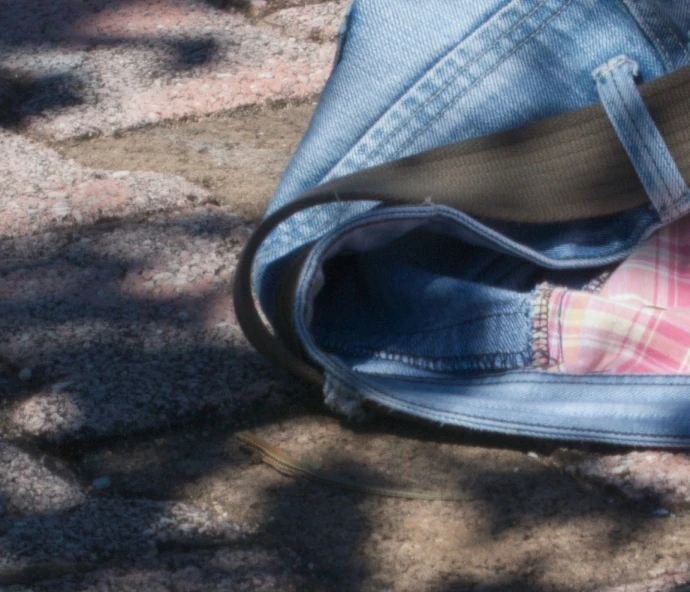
(641, 139)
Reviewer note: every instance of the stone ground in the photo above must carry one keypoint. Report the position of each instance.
(140, 141)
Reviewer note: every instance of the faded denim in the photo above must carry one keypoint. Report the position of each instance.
(425, 310)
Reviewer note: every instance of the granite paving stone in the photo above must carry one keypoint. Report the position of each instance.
(36, 483)
(101, 66)
(127, 327)
(662, 477)
(42, 191)
(252, 568)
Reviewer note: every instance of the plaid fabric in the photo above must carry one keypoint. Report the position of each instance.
(639, 322)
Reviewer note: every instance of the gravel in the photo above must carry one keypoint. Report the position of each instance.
(33, 484)
(104, 530)
(128, 327)
(254, 568)
(662, 477)
(98, 68)
(41, 191)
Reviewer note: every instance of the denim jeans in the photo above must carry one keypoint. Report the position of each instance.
(427, 311)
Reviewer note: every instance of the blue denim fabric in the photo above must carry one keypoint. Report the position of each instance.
(412, 77)
(413, 290)
(424, 309)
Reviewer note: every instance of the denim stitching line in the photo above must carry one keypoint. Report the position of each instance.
(443, 416)
(432, 329)
(405, 215)
(681, 200)
(353, 225)
(472, 363)
(614, 64)
(649, 31)
(667, 30)
(644, 143)
(308, 271)
(379, 146)
(378, 394)
(492, 406)
(496, 238)
(671, 33)
(674, 206)
(573, 379)
(428, 361)
(478, 80)
(451, 78)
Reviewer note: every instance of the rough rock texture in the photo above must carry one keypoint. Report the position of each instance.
(672, 580)
(658, 476)
(33, 484)
(254, 568)
(127, 327)
(319, 22)
(42, 191)
(100, 66)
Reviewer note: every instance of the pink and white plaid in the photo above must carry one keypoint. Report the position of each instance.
(639, 322)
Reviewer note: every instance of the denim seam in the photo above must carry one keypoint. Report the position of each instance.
(612, 65)
(671, 205)
(645, 145)
(343, 208)
(496, 239)
(383, 141)
(485, 362)
(434, 329)
(572, 379)
(450, 79)
(489, 71)
(673, 209)
(308, 276)
(488, 405)
(648, 29)
(333, 367)
(440, 416)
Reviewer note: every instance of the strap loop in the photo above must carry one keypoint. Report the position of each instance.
(641, 139)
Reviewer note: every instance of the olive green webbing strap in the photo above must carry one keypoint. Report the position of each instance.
(567, 167)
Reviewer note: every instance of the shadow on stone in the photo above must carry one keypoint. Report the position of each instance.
(22, 95)
(192, 53)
